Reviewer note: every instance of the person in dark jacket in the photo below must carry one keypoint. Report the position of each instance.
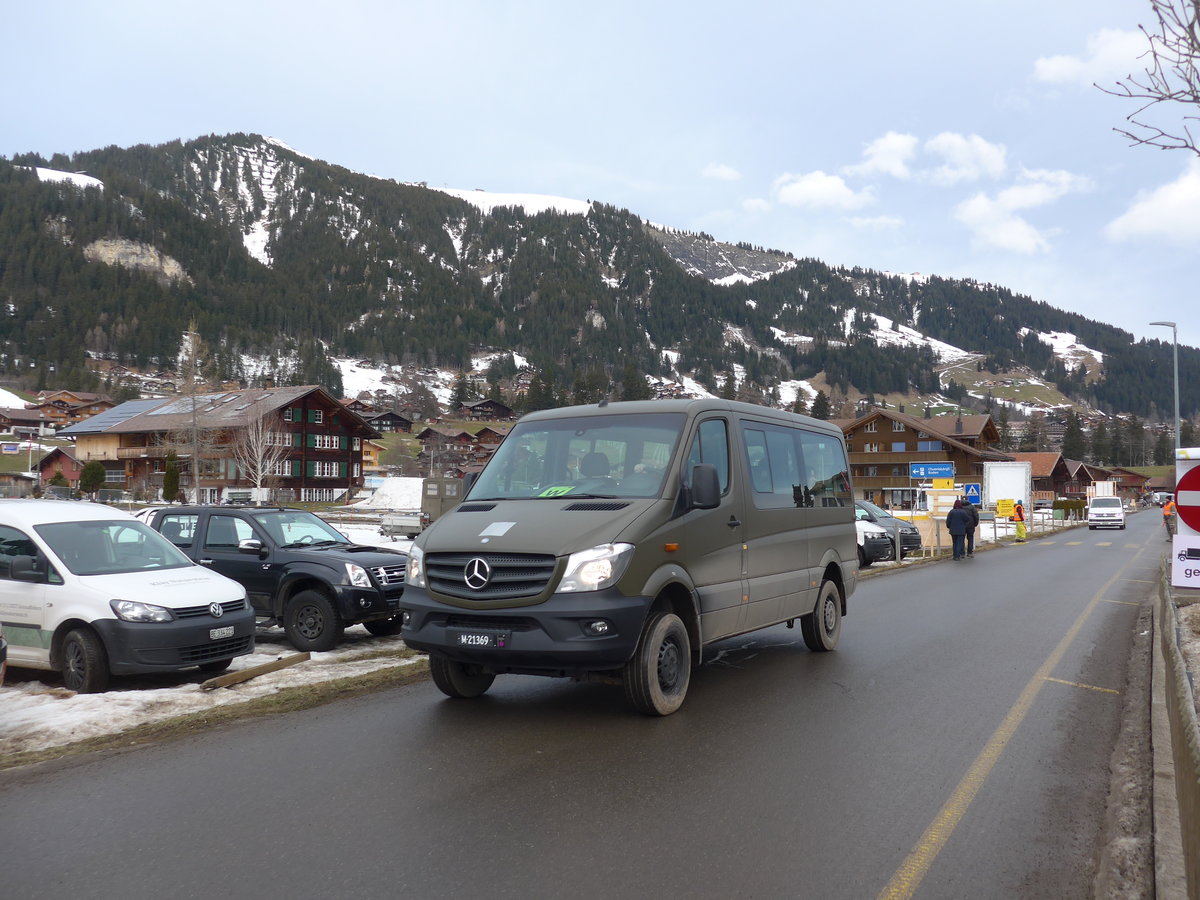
(973, 511)
(958, 522)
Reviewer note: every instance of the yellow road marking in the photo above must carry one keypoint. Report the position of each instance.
(1074, 543)
(1104, 543)
(1080, 684)
(1125, 602)
(912, 871)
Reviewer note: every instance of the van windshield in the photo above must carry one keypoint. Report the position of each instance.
(110, 547)
(584, 456)
(1106, 502)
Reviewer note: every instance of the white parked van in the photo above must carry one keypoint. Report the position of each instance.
(89, 591)
(1106, 512)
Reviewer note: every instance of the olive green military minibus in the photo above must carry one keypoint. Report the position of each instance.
(614, 541)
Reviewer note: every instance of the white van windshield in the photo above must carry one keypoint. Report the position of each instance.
(584, 456)
(1106, 502)
(110, 547)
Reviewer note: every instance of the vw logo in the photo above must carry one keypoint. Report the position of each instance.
(216, 610)
(477, 573)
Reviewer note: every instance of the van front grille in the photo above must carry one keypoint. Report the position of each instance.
(191, 612)
(233, 646)
(503, 576)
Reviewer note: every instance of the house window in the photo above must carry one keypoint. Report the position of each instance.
(897, 426)
(282, 469)
(870, 448)
(358, 443)
(872, 471)
(327, 442)
(929, 445)
(871, 426)
(899, 446)
(357, 470)
(325, 469)
(899, 471)
(318, 416)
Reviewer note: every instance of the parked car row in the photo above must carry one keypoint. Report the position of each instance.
(876, 534)
(90, 591)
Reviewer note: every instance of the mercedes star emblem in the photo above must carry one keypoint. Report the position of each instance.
(477, 573)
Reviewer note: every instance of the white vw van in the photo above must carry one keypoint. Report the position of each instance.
(614, 541)
(89, 591)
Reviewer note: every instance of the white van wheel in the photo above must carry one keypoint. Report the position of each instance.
(84, 662)
(657, 677)
(822, 627)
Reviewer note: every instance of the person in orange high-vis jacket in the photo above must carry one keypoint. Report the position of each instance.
(1019, 518)
(1169, 517)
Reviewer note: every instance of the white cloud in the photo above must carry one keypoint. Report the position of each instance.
(967, 158)
(818, 190)
(994, 222)
(721, 172)
(1170, 212)
(756, 205)
(876, 223)
(1111, 54)
(888, 155)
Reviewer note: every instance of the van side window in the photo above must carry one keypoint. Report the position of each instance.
(711, 445)
(826, 471)
(13, 543)
(773, 457)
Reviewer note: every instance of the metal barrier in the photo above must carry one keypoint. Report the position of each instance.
(1185, 737)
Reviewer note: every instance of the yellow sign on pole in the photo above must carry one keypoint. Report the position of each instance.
(1005, 508)
(943, 484)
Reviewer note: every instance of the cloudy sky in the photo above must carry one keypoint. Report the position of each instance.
(937, 136)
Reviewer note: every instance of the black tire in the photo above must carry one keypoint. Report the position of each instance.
(84, 662)
(822, 627)
(862, 558)
(459, 680)
(658, 675)
(311, 623)
(216, 666)
(383, 627)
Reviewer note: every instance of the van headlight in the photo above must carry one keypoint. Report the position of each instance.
(415, 576)
(595, 569)
(133, 611)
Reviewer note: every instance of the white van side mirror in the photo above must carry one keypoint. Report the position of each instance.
(26, 568)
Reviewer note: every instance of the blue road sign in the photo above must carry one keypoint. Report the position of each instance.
(973, 493)
(931, 470)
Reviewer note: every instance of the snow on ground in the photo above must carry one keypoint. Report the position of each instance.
(9, 400)
(533, 204)
(888, 333)
(391, 493)
(76, 178)
(1067, 348)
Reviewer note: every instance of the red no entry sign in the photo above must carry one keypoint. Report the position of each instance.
(1187, 498)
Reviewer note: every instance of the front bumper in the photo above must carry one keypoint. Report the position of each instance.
(545, 639)
(878, 550)
(167, 646)
(355, 604)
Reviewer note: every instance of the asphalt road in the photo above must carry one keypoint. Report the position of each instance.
(955, 745)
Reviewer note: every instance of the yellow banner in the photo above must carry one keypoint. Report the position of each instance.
(1005, 507)
(943, 484)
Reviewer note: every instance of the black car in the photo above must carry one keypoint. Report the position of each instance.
(910, 535)
(297, 570)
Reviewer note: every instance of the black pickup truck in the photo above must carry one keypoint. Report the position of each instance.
(297, 570)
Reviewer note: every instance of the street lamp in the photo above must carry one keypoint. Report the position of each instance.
(1175, 343)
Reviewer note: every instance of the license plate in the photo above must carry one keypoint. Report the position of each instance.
(215, 634)
(496, 640)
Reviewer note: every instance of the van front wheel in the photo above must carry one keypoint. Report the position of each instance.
(84, 662)
(458, 680)
(822, 627)
(657, 677)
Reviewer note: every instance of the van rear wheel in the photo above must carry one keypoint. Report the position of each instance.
(658, 675)
(822, 627)
(458, 680)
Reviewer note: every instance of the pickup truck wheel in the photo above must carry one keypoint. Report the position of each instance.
(657, 677)
(383, 627)
(84, 662)
(822, 627)
(458, 680)
(311, 623)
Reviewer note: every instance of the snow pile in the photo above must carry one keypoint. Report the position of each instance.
(9, 400)
(392, 493)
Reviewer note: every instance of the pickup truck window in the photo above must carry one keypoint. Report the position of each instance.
(179, 529)
(225, 532)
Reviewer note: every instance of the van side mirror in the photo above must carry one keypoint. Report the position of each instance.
(26, 568)
(706, 487)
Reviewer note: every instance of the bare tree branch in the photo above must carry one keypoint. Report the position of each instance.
(1172, 76)
(259, 449)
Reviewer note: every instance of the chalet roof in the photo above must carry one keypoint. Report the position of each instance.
(1042, 465)
(930, 426)
(218, 409)
(24, 414)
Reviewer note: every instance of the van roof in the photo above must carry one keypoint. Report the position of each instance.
(689, 407)
(41, 512)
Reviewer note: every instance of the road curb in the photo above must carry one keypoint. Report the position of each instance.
(1170, 874)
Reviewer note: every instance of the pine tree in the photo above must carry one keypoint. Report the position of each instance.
(820, 406)
(1074, 444)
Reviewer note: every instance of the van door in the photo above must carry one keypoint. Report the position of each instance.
(22, 604)
(710, 540)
